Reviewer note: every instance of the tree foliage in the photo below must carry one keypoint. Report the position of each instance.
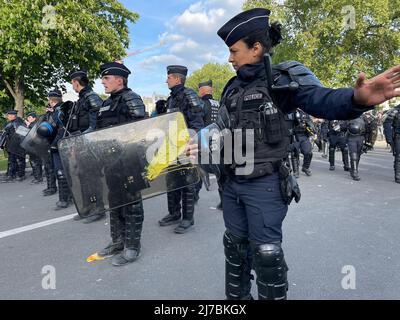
(41, 44)
(337, 39)
(220, 74)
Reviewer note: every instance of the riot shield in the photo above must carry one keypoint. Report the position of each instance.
(109, 168)
(14, 146)
(35, 144)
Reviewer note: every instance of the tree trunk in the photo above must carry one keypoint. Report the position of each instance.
(19, 97)
(18, 93)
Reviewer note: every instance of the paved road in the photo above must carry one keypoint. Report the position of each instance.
(338, 223)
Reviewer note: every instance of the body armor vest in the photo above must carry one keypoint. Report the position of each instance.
(80, 117)
(114, 111)
(212, 114)
(356, 127)
(252, 108)
(303, 126)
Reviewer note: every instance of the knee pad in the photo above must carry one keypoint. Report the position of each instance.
(60, 174)
(235, 247)
(271, 270)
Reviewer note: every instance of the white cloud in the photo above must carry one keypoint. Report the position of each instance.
(191, 37)
(183, 46)
(165, 59)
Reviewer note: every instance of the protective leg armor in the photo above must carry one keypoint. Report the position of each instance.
(237, 268)
(271, 271)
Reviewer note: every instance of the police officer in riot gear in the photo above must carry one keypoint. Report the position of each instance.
(47, 130)
(59, 120)
(356, 132)
(126, 222)
(304, 129)
(371, 126)
(337, 136)
(387, 127)
(396, 142)
(36, 162)
(83, 119)
(324, 129)
(210, 113)
(211, 106)
(185, 100)
(256, 203)
(16, 162)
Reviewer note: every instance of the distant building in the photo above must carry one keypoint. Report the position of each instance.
(150, 102)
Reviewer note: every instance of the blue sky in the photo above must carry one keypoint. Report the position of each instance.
(174, 32)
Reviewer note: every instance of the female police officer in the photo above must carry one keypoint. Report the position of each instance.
(256, 100)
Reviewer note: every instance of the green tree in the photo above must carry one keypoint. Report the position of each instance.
(218, 73)
(337, 39)
(41, 44)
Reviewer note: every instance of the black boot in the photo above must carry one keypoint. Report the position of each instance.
(187, 210)
(332, 159)
(21, 168)
(133, 230)
(51, 180)
(345, 156)
(117, 235)
(354, 166)
(37, 171)
(64, 192)
(237, 267)
(174, 209)
(295, 165)
(307, 163)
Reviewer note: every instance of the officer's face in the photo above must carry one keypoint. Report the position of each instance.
(75, 86)
(30, 119)
(173, 81)
(112, 83)
(241, 54)
(205, 90)
(11, 117)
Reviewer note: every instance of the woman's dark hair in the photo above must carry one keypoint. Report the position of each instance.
(83, 81)
(268, 38)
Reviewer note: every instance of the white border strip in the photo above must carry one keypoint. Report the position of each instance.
(46, 223)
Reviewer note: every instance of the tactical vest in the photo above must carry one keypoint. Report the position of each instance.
(301, 127)
(114, 111)
(252, 108)
(212, 114)
(80, 117)
(356, 127)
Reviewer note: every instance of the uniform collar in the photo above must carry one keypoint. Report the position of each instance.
(84, 91)
(207, 97)
(175, 90)
(250, 72)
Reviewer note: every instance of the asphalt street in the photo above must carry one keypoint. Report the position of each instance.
(339, 225)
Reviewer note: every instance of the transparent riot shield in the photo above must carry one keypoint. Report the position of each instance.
(112, 167)
(35, 144)
(14, 146)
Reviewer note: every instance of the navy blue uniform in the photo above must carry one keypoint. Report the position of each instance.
(254, 208)
(181, 202)
(337, 136)
(313, 99)
(396, 142)
(16, 162)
